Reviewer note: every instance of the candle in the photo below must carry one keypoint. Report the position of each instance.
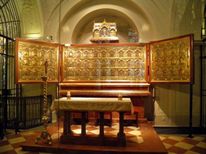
(119, 97)
(68, 95)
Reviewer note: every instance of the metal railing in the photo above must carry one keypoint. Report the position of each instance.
(25, 112)
(203, 84)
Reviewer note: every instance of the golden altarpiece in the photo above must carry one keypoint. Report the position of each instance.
(106, 70)
(160, 61)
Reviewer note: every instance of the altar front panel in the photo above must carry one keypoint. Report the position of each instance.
(171, 60)
(30, 58)
(102, 63)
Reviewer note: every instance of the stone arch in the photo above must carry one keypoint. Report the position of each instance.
(127, 13)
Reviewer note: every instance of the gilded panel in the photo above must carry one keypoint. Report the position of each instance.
(170, 60)
(31, 59)
(104, 63)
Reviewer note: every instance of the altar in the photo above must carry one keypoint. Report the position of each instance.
(100, 105)
(97, 74)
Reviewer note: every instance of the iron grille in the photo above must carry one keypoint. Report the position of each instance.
(9, 29)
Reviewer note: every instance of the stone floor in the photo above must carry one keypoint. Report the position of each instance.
(177, 144)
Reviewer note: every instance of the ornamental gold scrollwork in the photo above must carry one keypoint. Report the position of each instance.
(99, 63)
(170, 60)
(31, 58)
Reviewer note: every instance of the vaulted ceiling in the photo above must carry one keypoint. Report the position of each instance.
(152, 19)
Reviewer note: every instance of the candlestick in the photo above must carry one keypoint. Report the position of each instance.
(45, 136)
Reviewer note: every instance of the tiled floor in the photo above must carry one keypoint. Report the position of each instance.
(179, 144)
(182, 144)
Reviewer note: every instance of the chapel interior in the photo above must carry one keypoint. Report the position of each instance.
(102, 76)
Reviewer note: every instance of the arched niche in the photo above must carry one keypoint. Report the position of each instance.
(126, 13)
(83, 30)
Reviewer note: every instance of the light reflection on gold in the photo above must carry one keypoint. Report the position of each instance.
(31, 58)
(170, 60)
(101, 63)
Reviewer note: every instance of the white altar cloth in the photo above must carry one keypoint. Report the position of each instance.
(93, 104)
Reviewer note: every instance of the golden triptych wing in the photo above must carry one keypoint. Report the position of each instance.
(162, 61)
